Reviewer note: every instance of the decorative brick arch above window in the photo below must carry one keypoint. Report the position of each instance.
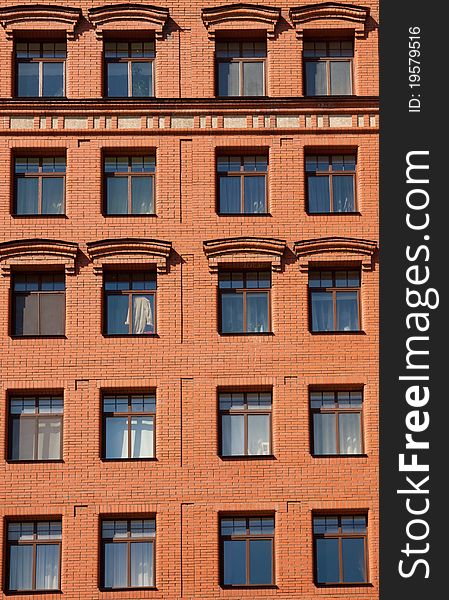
(131, 251)
(30, 17)
(335, 249)
(241, 250)
(38, 253)
(133, 17)
(330, 15)
(240, 16)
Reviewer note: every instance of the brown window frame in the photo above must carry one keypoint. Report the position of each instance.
(245, 411)
(40, 175)
(128, 540)
(35, 416)
(129, 174)
(129, 60)
(242, 174)
(240, 60)
(331, 173)
(328, 59)
(34, 543)
(41, 60)
(129, 415)
(340, 535)
(336, 410)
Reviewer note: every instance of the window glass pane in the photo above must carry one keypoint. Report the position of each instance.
(316, 79)
(322, 312)
(142, 195)
(253, 79)
(341, 279)
(23, 438)
(47, 566)
(353, 553)
(231, 313)
(340, 73)
(52, 195)
(27, 195)
(343, 189)
(318, 194)
(115, 565)
(52, 314)
(116, 437)
(260, 562)
(353, 278)
(228, 79)
(254, 190)
(347, 311)
(258, 434)
(116, 315)
(257, 312)
(324, 434)
(141, 79)
(141, 564)
(117, 195)
(49, 438)
(20, 568)
(230, 194)
(28, 80)
(232, 435)
(327, 561)
(142, 432)
(234, 562)
(26, 314)
(350, 433)
(53, 79)
(117, 79)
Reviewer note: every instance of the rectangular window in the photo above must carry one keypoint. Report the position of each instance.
(129, 69)
(40, 69)
(129, 185)
(130, 299)
(128, 553)
(35, 427)
(39, 186)
(328, 67)
(34, 555)
(334, 300)
(242, 182)
(337, 422)
(38, 303)
(245, 423)
(128, 426)
(340, 549)
(241, 68)
(245, 301)
(330, 183)
(247, 551)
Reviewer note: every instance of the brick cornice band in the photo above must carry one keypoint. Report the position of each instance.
(37, 252)
(130, 251)
(118, 16)
(330, 11)
(36, 16)
(244, 249)
(226, 16)
(335, 249)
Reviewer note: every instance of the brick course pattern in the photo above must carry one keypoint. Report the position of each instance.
(188, 486)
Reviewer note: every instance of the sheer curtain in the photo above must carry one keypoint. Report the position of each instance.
(322, 312)
(228, 79)
(24, 438)
(316, 78)
(343, 191)
(253, 78)
(27, 195)
(142, 195)
(141, 564)
(231, 313)
(258, 434)
(324, 437)
(349, 428)
(230, 194)
(319, 194)
(255, 194)
(142, 433)
(49, 438)
(21, 568)
(257, 312)
(232, 435)
(347, 311)
(47, 566)
(115, 565)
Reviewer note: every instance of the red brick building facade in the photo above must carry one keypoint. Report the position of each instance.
(248, 359)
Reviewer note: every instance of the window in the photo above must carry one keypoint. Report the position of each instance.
(241, 68)
(130, 302)
(334, 300)
(330, 183)
(340, 549)
(337, 422)
(40, 69)
(247, 551)
(38, 303)
(129, 185)
(328, 66)
(128, 553)
(245, 301)
(129, 69)
(39, 186)
(35, 427)
(128, 426)
(34, 555)
(245, 423)
(242, 184)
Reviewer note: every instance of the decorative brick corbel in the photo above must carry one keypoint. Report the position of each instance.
(139, 17)
(335, 249)
(301, 16)
(37, 253)
(227, 17)
(132, 251)
(23, 17)
(244, 250)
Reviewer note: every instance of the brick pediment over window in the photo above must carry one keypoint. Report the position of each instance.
(240, 250)
(40, 17)
(330, 15)
(129, 251)
(132, 17)
(38, 253)
(241, 16)
(335, 249)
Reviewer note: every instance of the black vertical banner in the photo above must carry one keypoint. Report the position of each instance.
(414, 326)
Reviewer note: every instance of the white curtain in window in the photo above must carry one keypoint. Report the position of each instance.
(20, 568)
(49, 438)
(142, 314)
(324, 434)
(349, 428)
(115, 565)
(141, 564)
(47, 566)
(27, 438)
(142, 437)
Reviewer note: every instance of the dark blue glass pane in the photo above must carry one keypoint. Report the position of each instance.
(319, 194)
(347, 311)
(28, 80)
(316, 79)
(234, 562)
(231, 313)
(254, 193)
(52, 195)
(257, 313)
(343, 188)
(260, 562)
(117, 314)
(141, 79)
(322, 312)
(327, 561)
(117, 79)
(117, 195)
(27, 196)
(353, 560)
(142, 195)
(230, 195)
(228, 79)
(53, 79)
(21, 568)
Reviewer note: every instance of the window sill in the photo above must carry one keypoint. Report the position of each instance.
(251, 457)
(128, 460)
(344, 585)
(246, 334)
(126, 215)
(131, 589)
(38, 337)
(268, 586)
(34, 462)
(41, 216)
(353, 213)
(359, 332)
(130, 335)
(339, 455)
(244, 214)
(30, 592)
